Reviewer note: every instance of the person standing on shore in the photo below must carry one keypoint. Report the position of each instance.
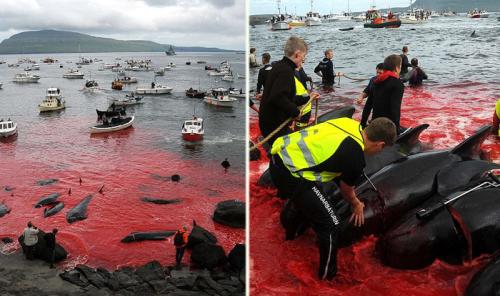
(30, 234)
(50, 241)
(180, 242)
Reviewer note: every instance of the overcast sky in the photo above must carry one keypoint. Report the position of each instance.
(321, 6)
(209, 23)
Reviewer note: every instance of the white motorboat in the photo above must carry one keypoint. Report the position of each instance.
(412, 17)
(192, 130)
(7, 128)
(360, 17)
(434, 14)
(236, 93)
(28, 68)
(160, 72)
(26, 78)
(172, 65)
(228, 77)
(112, 125)
(35, 67)
(217, 73)
(240, 76)
(449, 13)
(73, 74)
(313, 19)
(91, 85)
(167, 68)
(155, 89)
(53, 101)
(220, 97)
(128, 100)
(128, 80)
(338, 17)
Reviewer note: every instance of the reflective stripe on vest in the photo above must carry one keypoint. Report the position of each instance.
(312, 146)
(300, 90)
(497, 109)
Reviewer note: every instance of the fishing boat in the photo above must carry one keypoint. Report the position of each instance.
(35, 67)
(53, 101)
(127, 80)
(128, 100)
(192, 130)
(73, 74)
(160, 72)
(236, 93)
(91, 85)
(278, 23)
(117, 85)
(111, 121)
(228, 77)
(219, 97)
(170, 51)
(155, 89)
(167, 68)
(476, 13)
(7, 128)
(26, 78)
(375, 20)
(194, 93)
(313, 19)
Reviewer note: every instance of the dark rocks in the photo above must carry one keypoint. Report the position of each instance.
(254, 154)
(75, 277)
(230, 213)
(160, 201)
(236, 257)
(206, 255)
(151, 271)
(175, 178)
(44, 182)
(200, 235)
(41, 251)
(92, 276)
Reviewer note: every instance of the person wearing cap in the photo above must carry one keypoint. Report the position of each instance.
(303, 160)
(180, 242)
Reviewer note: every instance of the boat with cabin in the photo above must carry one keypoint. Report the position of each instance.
(219, 97)
(53, 101)
(155, 89)
(192, 130)
(73, 74)
(7, 128)
(375, 20)
(194, 93)
(170, 51)
(26, 78)
(129, 100)
(112, 120)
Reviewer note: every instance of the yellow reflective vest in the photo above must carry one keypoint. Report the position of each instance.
(311, 146)
(497, 110)
(300, 90)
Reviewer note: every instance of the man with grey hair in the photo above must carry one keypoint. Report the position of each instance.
(281, 98)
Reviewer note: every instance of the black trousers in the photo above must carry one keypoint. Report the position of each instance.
(29, 252)
(52, 253)
(179, 253)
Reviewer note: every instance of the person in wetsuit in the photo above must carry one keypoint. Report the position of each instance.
(416, 75)
(404, 65)
(325, 69)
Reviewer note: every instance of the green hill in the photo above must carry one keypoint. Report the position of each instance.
(52, 41)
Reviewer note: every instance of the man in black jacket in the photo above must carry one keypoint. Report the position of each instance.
(404, 65)
(325, 69)
(366, 93)
(264, 71)
(387, 92)
(50, 241)
(279, 101)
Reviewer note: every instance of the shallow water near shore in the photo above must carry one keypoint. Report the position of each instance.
(458, 99)
(131, 163)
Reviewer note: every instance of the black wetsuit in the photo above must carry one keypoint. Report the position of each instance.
(50, 241)
(416, 76)
(261, 79)
(367, 109)
(386, 97)
(279, 101)
(310, 204)
(404, 67)
(327, 71)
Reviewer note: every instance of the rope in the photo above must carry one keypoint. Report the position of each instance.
(274, 132)
(357, 79)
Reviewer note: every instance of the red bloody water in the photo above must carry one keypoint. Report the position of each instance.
(124, 163)
(289, 268)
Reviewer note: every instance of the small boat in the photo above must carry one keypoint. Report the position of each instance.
(280, 26)
(313, 18)
(228, 77)
(172, 65)
(478, 14)
(167, 68)
(208, 67)
(35, 67)
(346, 29)
(73, 74)
(1, 84)
(220, 97)
(217, 72)
(192, 130)
(240, 76)
(193, 93)
(159, 72)
(201, 62)
(188, 63)
(296, 23)
(111, 121)
(7, 128)
(236, 93)
(155, 89)
(127, 101)
(28, 68)
(26, 78)
(127, 80)
(53, 101)
(91, 85)
(170, 51)
(117, 85)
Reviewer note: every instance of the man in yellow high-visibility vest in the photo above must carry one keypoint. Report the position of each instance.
(496, 119)
(335, 149)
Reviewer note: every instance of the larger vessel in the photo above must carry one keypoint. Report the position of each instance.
(155, 89)
(220, 97)
(53, 101)
(26, 78)
(111, 121)
(73, 74)
(313, 18)
(170, 51)
(7, 128)
(192, 130)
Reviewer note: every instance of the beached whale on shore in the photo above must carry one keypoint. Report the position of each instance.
(150, 235)
(79, 212)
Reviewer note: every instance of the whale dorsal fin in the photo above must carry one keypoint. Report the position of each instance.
(410, 138)
(346, 111)
(471, 147)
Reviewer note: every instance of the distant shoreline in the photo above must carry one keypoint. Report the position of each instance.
(94, 52)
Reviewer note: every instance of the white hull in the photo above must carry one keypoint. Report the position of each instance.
(73, 76)
(313, 22)
(153, 91)
(281, 25)
(7, 132)
(229, 102)
(410, 21)
(98, 130)
(26, 80)
(214, 73)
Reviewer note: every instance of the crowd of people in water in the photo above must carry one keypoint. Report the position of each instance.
(304, 155)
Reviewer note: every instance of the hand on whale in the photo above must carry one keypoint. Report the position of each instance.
(160, 201)
(47, 200)
(151, 235)
(79, 212)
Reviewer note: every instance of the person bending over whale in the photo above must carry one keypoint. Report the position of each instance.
(303, 160)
